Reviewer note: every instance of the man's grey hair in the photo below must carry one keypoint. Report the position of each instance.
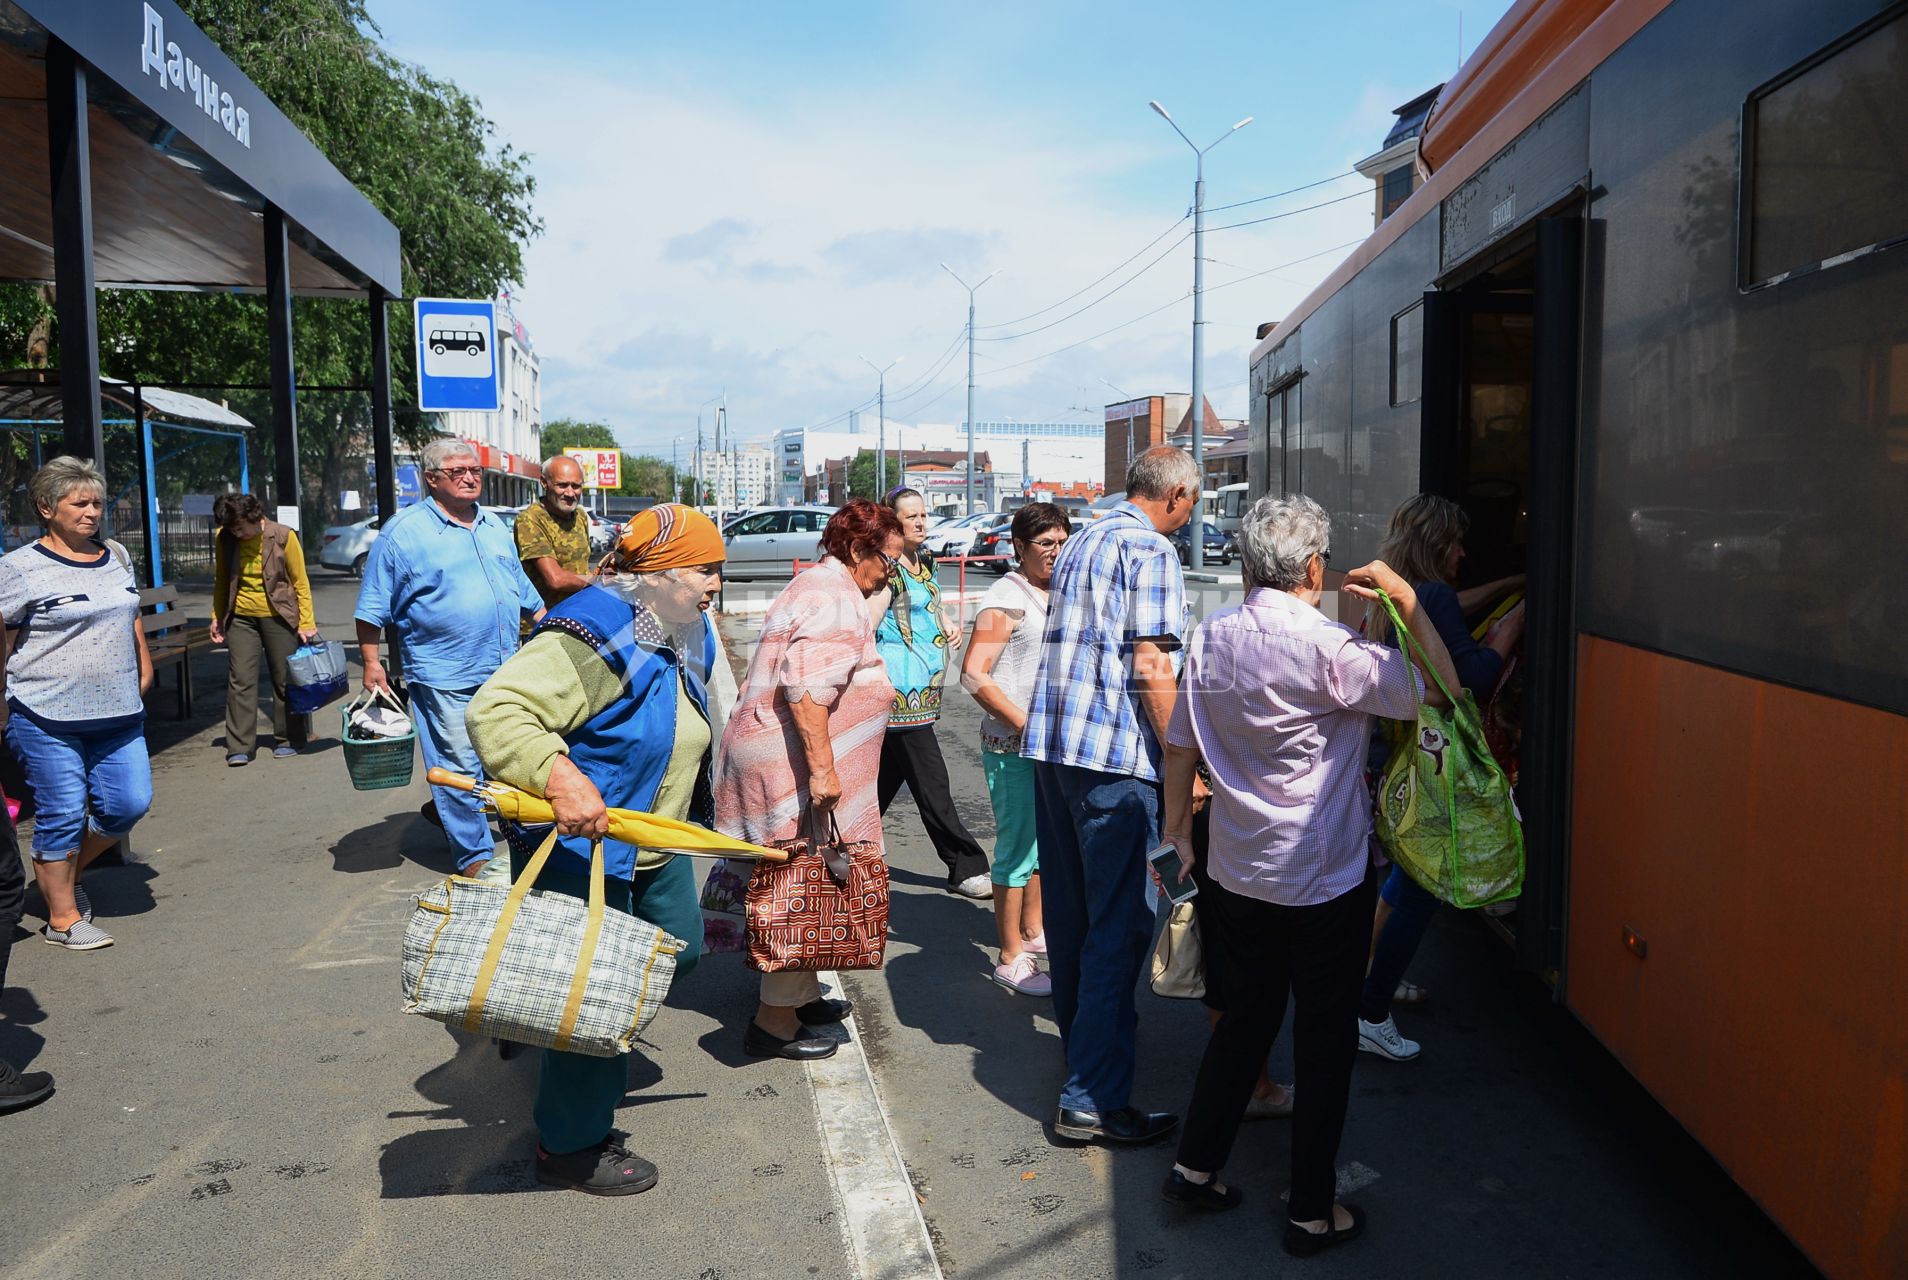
(434, 455)
(54, 481)
(1278, 538)
(1159, 471)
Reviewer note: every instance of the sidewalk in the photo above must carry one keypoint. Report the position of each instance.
(239, 1094)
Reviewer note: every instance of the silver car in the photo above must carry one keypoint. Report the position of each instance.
(769, 542)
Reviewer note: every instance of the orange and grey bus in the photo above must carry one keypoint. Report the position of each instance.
(1646, 319)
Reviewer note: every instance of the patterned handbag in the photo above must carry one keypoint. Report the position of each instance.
(825, 908)
(724, 929)
(535, 966)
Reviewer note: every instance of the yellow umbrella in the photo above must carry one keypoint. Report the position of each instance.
(646, 831)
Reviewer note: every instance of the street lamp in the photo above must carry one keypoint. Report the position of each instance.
(1127, 400)
(697, 504)
(1199, 322)
(881, 439)
(675, 477)
(970, 374)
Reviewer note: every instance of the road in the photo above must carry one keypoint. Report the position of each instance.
(240, 1096)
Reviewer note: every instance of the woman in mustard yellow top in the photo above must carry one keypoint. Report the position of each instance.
(263, 603)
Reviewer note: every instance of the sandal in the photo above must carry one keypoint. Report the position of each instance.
(1411, 993)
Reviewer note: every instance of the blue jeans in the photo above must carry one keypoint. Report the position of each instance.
(1094, 830)
(1412, 907)
(98, 781)
(577, 1094)
(439, 715)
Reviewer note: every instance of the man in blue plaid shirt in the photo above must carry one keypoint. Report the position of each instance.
(1108, 678)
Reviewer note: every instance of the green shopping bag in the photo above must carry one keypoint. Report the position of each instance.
(1445, 809)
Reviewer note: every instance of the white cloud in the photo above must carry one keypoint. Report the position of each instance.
(694, 245)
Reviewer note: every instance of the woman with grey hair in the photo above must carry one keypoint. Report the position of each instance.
(1279, 701)
(76, 679)
(608, 705)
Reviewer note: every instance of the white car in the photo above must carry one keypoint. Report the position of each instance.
(769, 542)
(344, 546)
(956, 537)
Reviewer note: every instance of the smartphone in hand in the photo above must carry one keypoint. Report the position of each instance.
(1165, 861)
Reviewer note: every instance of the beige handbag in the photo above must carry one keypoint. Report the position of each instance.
(1179, 968)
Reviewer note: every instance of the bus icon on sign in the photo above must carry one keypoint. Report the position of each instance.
(470, 341)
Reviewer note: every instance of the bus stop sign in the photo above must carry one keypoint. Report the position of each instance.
(456, 354)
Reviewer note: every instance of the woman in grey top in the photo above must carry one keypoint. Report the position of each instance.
(77, 672)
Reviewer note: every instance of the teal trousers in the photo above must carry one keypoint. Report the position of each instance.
(577, 1094)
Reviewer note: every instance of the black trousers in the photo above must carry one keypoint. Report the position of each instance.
(913, 756)
(1316, 954)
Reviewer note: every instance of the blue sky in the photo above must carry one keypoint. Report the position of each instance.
(750, 197)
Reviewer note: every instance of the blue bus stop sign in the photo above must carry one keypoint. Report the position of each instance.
(456, 354)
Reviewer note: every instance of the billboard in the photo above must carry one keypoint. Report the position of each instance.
(602, 468)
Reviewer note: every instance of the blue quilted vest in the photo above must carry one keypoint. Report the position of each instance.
(625, 748)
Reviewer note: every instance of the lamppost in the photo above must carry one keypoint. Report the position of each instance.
(697, 504)
(1127, 400)
(675, 477)
(1199, 323)
(970, 375)
(881, 438)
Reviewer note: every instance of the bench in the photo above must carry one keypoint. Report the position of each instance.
(170, 639)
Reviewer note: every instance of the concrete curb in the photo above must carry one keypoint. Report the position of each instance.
(881, 1217)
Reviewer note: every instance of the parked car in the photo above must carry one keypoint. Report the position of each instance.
(769, 542)
(1219, 547)
(603, 533)
(996, 539)
(956, 537)
(344, 546)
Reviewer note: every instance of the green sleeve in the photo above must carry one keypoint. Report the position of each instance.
(533, 530)
(547, 689)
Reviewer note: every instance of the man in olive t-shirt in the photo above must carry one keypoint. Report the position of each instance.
(553, 536)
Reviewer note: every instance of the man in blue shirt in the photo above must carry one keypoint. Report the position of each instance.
(445, 573)
(1116, 619)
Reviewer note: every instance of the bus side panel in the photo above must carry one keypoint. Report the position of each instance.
(1752, 839)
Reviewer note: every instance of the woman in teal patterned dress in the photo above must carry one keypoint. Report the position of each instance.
(915, 637)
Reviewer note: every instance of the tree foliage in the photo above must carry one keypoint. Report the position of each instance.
(416, 145)
(644, 476)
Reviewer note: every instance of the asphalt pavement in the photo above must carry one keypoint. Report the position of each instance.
(239, 1094)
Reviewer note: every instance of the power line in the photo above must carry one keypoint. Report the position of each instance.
(1009, 337)
(1289, 191)
(1175, 302)
(1090, 284)
(1289, 213)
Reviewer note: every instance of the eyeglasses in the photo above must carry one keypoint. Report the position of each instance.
(1047, 544)
(890, 561)
(1325, 555)
(460, 473)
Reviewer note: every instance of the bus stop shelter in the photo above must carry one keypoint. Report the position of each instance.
(134, 154)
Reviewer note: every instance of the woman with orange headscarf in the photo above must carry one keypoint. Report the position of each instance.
(607, 704)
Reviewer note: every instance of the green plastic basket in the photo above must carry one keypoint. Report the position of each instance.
(377, 763)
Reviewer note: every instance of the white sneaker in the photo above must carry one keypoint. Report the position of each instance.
(1023, 977)
(974, 887)
(1382, 1038)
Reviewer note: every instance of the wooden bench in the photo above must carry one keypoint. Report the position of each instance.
(170, 639)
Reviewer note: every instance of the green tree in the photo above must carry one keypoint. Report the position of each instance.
(567, 433)
(417, 146)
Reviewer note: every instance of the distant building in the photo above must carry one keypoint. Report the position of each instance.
(1393, 168)
(1065, 451)
(745, 476)
(508, 442)
(1134, 426)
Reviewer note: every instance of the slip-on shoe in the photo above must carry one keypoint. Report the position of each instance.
(1301, 1243)
(821, 1011)
(1127, 1126)
(758, 1043)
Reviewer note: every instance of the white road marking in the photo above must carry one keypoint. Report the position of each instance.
(880, 1215)
(340, 964)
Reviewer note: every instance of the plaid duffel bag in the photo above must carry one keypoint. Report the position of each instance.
(534, 966)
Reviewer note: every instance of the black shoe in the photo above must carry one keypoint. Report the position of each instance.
(19, 1089)
(821, 1012)
(1200, 1195)
(606, 1169)
(758, 1043)
(1301, 1243)
(1128, 1125)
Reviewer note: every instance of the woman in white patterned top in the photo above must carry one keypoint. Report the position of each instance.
(999, 673)
(76, 683)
